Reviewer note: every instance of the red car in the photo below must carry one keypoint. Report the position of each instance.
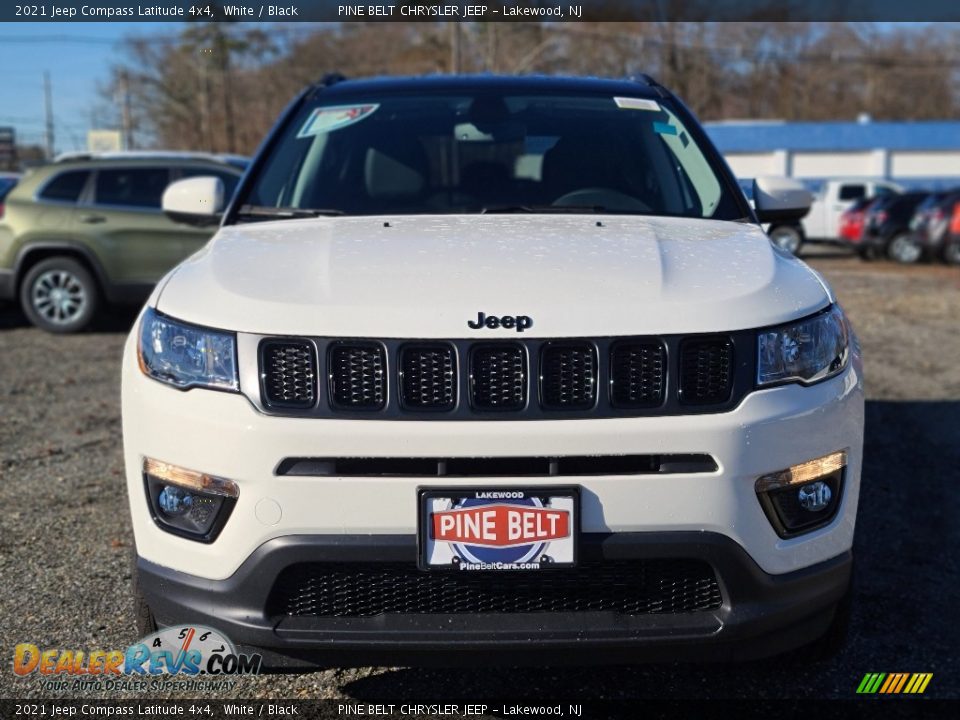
(852, 223)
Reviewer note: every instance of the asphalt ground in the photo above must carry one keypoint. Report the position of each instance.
(65, 535)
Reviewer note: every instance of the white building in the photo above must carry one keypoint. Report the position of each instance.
(921, 153)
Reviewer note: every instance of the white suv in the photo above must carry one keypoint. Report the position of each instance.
(492, 367)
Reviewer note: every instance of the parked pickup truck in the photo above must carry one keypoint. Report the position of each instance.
(822, 223)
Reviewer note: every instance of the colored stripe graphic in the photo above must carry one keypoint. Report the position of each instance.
(894, 683)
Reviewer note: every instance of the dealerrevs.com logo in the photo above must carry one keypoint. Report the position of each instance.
(173, 658)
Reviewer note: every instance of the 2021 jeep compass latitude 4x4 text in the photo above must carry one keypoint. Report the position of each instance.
(490, 368)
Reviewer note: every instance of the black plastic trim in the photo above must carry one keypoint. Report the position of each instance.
(525, 354)
(223, 514)
(561, 344)
(718, 339)
(8, 285)
(773, 515)
(548, 466)
(261, 354)
(744, 376)
(668, 380)
(427, 345)
(762, 614)
(388, 391)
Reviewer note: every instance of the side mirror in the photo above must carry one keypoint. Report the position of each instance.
(194, 201)
(778, 199)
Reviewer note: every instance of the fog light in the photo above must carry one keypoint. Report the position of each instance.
(174, 501)
(815, 496)
(803, 497)
(188, 503)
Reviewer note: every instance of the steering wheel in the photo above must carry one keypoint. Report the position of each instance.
(602, 197)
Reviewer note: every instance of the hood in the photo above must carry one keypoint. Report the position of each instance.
(427, 276)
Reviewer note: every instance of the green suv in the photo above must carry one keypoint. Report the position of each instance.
(88, 230)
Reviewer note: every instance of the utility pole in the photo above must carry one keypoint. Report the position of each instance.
(48, 111)
(125, 117)
(455, 47)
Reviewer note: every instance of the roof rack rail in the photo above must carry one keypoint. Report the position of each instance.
(651, 82)
(332, 79)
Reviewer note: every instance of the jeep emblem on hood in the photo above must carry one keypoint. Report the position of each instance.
(520, 322)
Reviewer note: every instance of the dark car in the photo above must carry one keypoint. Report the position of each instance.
(935, 228)
(886, 227)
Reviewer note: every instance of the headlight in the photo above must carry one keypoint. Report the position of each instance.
(806, 351)
(186, 355)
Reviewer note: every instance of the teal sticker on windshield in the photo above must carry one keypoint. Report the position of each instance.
(328, 119)
(664, 128)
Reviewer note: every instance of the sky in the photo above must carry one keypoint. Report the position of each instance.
(78, 56)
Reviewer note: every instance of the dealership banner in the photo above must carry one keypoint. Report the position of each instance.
(355, 709)
(483, 11)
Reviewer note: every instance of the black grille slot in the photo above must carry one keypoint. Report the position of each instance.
(628, 587)
(706, 371)
(358, 378)
(492, 466)
(568, 376)
(637, 374)
(427, 377)
(498, 377)
(288, 373)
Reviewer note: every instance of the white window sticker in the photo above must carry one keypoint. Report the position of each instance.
(328, 119)
(628, 103)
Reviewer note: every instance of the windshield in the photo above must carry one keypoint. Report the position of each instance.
(490, 152)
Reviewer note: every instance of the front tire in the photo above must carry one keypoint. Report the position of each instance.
(786, 238)
(903, 249)
(59, 295)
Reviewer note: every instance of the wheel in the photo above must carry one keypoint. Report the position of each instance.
(143, 615)
(867, 252)
(786, 238)
(59, 295)
(951, 253)
(904, 249)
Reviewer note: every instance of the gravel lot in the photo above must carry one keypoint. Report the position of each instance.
(65, 536)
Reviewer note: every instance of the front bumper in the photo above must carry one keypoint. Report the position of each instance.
(760, 615)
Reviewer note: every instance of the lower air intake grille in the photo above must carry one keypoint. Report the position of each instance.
(628, 587)
(637, 374)
(289, 373)
(427, 379)
(358, 378)
(568, 376)
(706, 371)
(498, 377)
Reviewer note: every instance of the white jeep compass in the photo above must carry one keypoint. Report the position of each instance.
(492, 368)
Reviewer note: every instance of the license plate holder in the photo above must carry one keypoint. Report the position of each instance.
(498, 529)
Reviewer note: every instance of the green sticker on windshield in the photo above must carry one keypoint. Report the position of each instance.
(328, 119)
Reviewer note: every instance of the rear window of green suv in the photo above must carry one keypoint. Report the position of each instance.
(66, 187)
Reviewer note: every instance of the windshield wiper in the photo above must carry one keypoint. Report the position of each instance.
(265, 212)
(490, 209)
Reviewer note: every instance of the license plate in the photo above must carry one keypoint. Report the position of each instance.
(468, 529)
